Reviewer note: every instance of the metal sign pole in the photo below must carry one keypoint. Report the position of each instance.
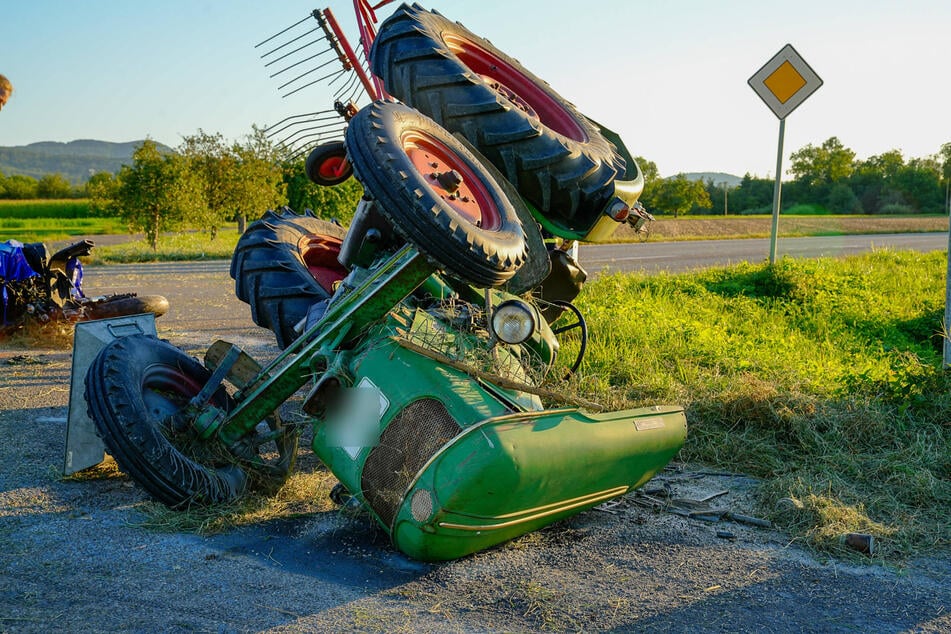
(777, 193)
(783, 83)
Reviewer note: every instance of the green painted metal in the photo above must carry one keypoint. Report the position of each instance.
(514, 474)
(347, 318)
(455, 464)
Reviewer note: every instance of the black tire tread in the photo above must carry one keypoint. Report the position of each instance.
(269, 274)
(559, 176)
(113, 397)
(481, 258)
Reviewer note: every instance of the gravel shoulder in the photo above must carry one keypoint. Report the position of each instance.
(75, 557)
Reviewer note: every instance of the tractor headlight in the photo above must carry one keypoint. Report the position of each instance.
(514, 321)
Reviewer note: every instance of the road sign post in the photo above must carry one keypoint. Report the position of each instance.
(783, 83)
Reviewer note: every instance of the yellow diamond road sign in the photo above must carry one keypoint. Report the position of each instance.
(785, 81)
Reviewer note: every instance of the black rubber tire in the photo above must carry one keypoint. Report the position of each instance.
(383, 140)
(123, 305)
(327, 164)
(557, 159)
(271, 274)
(131, 387)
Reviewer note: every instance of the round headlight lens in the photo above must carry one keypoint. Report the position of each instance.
(513, 321)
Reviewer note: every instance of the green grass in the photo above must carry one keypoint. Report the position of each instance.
(823, 377)
(196, 245)
(52, 229)
(45, 208)
(806, 210)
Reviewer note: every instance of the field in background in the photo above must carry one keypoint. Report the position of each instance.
(721, 227)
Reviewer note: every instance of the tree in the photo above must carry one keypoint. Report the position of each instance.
(679, 195)
(873, 181)
(258, 182)
(101, 190)
(236, 180)
(53, 186)
(753, 194)
(20, 187)
(157, 192)
(208, 160)
(651, 177)
(920, 183)
(720, 194)
(823, 165)
(842, 200)
(944, 156)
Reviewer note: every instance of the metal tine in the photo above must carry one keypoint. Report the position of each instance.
(316, 81)
(304, 74)
(350, 90)
(306, 59)
(323, 115)
(292, 40)
(296, 50)
(298, 133)
(280, 33)
(299, 145)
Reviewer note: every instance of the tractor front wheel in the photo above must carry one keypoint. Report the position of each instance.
(137, 391)
(436, 194)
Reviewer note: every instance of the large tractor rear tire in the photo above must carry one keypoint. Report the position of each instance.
(283, 264)
(558, 160)
(436, 194)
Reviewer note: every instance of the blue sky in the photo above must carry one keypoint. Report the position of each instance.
(670, 77)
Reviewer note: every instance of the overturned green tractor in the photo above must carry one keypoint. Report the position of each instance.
(418, 340)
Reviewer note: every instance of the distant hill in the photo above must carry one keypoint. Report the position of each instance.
(76, 161)
(718, 178)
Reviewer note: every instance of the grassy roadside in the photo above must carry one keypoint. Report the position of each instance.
(823, 377)
(191, 246)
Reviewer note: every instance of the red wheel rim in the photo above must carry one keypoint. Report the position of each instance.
(333, 167)
(319, 254)
(516, 87)
(453, 179)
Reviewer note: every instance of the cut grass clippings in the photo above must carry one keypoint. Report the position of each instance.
(304, 493)
(822, 377)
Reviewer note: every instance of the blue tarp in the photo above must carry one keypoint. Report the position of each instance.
(13, 268)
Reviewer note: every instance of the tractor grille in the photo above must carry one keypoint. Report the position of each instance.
(409, 441)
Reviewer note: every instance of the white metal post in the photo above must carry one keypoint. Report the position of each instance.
(777, 192)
